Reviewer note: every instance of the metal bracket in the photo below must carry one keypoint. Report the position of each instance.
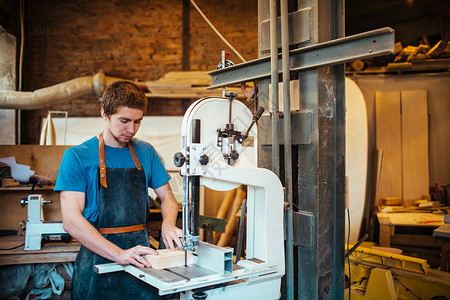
(303, 228)
(214, 258)
(299, 22)
(195, 153)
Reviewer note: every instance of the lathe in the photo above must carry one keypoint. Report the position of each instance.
(37, 230)
(219, 151)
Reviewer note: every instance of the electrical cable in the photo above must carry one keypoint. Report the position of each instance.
(216, 31)
(22, 42)
(407, 289)
(5, 249)
(348, 258)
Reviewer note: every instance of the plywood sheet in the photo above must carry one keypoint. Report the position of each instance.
(388, 138)
(44, 160)
(414, 145)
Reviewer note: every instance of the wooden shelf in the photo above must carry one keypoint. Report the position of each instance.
(27, 188)
(50, 252)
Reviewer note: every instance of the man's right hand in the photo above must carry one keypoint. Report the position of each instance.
(72, 205)
(133, 256)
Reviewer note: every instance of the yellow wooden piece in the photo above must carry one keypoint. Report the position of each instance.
(390, 259)
(425, 284)
(381, 285)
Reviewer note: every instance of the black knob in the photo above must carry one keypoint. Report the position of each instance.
(204, 160)
(199, 296)
(179, 159)
(234, 155)
(231, 95)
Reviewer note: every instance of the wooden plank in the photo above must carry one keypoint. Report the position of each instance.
(385, 230)
(414, 145)
(50, 252)
(411, 219)
(14, 259)
(388, 138)
(232, 221)
(167, 258)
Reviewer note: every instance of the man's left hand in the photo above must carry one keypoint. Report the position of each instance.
(171, 236)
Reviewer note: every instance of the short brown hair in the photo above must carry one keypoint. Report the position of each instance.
(123, 93)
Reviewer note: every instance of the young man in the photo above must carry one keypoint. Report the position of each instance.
(104, 199)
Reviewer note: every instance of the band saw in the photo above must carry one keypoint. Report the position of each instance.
(219, 150)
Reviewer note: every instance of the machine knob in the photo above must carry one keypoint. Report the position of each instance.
(199, 296)
(204, 160)
(179, 159)
(231, 95)
(234, 155)
(24, 202)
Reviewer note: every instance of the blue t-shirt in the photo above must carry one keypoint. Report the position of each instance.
(79, 169)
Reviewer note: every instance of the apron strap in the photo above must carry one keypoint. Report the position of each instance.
(101, 146)
(115, 230)
(101, 151)
(136, 161)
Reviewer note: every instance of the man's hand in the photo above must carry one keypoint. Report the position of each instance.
(171, 234)
(133, 256)
(169, 209)
(72, 204)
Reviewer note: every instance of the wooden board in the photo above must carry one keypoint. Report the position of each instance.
(167, 258)
(388, 138)
(415, 169)
(44, 160)
(50, 253)
(356, 137)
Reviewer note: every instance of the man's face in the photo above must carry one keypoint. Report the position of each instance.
(124, 124)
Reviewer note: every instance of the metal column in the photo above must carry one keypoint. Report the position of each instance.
(321, 164)
(317, 154)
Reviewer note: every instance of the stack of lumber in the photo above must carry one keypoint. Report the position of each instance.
(185, 85)
(389, 205)
(421, 58)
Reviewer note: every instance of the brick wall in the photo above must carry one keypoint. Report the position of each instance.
(127, 39)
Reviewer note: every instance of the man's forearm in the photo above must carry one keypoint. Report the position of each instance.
(169, 209)
(89, 237)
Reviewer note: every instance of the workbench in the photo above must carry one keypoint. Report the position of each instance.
(391, 225)
(50, 253)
